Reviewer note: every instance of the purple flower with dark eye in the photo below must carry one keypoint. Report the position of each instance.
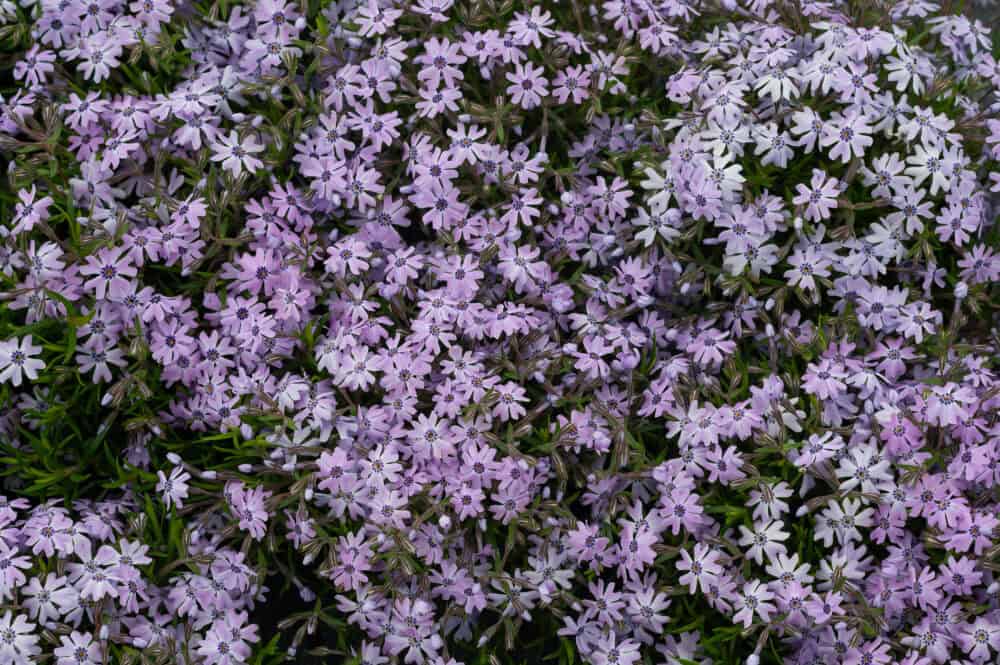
(110, 271)
(467, 319)
(30, 210)
(248, 505)
(527, 86)
(820, 198)
(571, 83)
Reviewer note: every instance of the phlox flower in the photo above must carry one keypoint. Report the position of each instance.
(17, 361)
(237, 155)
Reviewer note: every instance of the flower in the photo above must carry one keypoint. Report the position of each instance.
(820, 199)
(237, 154)
(765, 539)
(612, 652)
(111, 268)
(528, 86)
(754, 601)
(174, 488)
(847, 136)
(16, 360)
(78, 649)
(18, 643)
(806, 267)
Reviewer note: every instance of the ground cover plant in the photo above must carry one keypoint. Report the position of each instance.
(458, 332)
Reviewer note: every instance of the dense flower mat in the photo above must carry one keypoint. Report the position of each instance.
(499, 331)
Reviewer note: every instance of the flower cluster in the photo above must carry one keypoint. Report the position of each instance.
(426, 332)
(74, 578)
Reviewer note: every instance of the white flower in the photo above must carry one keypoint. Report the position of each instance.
(16, 360)
(236, 155)
(765, 539)
(778, 84)
(774, 145)
(928, 163)
(663, 224)
(18, 643)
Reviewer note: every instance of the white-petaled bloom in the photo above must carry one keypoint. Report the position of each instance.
(778, 83)
(806, 266)
(885, 175)
(50, 600)
(18, 642)
(173, 488)
(663, 224)
(237, 155)
(663, 185)
(753, 601)
(78, 649)
(774, 145)
(847, 136)
(726, 138)
(767, 502)
(911, 209)
(807, 128)
(842, 521)
(765, 540)
(908, 72)
(924, 125)
(727, 175)
(726, 106)
(927, 163)
(16, 361)
(787, 569)
(757, 255)
(864, 466)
